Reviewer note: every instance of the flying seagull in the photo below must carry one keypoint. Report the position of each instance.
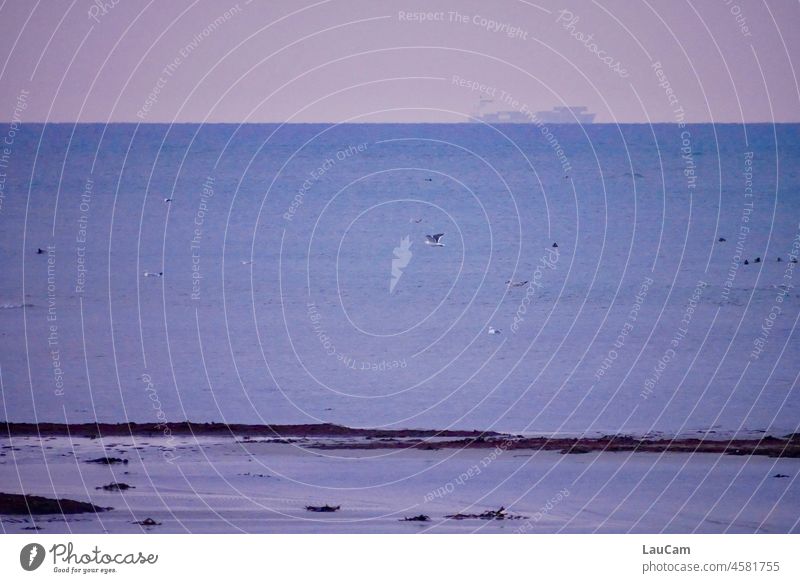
(493, 330)
(510, 283)
(151, 274)
(434, 240)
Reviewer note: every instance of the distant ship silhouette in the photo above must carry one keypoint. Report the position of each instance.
(558, 115)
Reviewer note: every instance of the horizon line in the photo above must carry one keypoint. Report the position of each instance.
(470, 123)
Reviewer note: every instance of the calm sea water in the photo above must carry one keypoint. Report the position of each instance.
(297, 285)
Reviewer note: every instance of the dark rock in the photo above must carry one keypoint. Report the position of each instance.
(576, 449)
(115, 487)
(147, 522)
(499, 514)
(417, 518)
(27, 505)
(325, 508)
(107, 461)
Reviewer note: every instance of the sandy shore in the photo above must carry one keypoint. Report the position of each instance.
(213, 478)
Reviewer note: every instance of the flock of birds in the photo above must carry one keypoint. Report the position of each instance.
(758, 259)
(436, 241)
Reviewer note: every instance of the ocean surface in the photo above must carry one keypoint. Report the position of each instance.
(296, 285)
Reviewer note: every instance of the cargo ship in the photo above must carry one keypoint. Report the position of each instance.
(566, 114)
(557, 115)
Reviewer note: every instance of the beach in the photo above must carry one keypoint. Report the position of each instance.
(217, 481)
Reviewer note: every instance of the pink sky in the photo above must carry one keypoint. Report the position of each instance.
(368, 60)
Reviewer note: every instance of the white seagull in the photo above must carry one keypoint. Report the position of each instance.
(493, 330)
(167, 200)
(151, 274)
(434, 240)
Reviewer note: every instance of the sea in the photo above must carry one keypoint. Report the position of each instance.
(638, 279)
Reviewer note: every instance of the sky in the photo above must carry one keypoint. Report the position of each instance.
(401, 61)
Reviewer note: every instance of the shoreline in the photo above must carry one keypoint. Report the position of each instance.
(328, 436)
(215, 482)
